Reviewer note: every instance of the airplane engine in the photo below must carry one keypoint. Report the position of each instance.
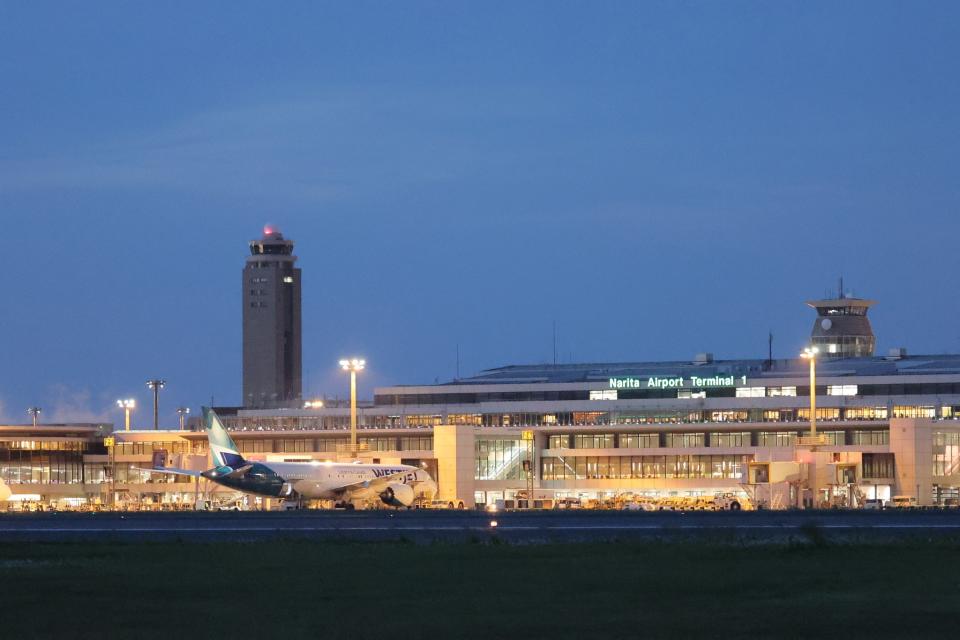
(397, 495)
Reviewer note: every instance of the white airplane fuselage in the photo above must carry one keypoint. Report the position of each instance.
(321, 480)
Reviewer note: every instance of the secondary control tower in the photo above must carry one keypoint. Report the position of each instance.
(842, 329)
(272, 369)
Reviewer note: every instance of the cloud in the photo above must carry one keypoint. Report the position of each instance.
(76, 405)
(309, 149)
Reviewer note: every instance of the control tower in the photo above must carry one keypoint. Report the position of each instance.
(842, 329)
(272, 370)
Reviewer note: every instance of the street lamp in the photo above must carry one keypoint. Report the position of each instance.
(34, 412)
(183, 412)
(353, 365)
(128, 405)
(810, 353)
(155, 386)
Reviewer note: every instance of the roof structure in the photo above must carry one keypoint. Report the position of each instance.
(755, 368)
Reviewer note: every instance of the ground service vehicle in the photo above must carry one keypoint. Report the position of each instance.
(903, 502)
(728, 502)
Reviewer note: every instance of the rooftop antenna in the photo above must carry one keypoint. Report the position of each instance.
(841, 296)
(554, 342)
(770, 347)
(458, 361)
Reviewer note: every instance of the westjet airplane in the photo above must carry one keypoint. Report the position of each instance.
(344, 483)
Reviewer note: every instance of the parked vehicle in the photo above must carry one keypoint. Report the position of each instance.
(731, 502)
(873, 504)
(567, 503)
(903, 502)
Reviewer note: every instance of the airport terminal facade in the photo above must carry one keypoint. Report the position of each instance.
(887, 426)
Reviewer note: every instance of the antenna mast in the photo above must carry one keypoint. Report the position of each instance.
(554, 342)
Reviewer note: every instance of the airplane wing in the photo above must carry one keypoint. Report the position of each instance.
(173, 471)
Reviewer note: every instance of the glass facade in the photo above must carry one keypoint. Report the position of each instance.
(638, 440)
(946, 454)
(684, 439)
(499, 458)
(593, 441)
(878, 466)
(41, 462)
(727, 467)
(735, 439)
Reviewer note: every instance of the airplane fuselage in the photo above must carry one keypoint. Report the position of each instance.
(314, 480)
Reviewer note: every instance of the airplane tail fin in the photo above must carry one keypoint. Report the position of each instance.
(223, 450)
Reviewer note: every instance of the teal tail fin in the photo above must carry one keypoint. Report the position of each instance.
(223, 450)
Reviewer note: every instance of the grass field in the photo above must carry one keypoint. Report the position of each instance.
(406, 591)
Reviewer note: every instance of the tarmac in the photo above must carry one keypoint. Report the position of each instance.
(520, 527)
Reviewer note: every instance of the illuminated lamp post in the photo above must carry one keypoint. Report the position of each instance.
(34, 412)
(810, 353)
(353, 365)
(155, 386)
(127, 405)
(183, 412)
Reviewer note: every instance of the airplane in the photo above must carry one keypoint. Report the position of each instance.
(345, 483)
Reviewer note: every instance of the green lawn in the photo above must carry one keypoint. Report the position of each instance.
(406, 591)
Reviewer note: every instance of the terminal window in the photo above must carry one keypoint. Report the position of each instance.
(603, 394)
(775, 392)
(842, 390)
(639, 440)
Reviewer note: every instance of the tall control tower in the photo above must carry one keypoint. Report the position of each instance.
(272, 372)
(842, 329)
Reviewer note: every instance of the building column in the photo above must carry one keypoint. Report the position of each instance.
(911, 442)
(455, 449)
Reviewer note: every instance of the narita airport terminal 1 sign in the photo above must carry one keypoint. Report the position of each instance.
(677, 382)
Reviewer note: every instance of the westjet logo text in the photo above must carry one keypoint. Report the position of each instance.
(379, 473)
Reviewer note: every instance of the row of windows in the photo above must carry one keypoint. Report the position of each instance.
(734, 439)
(325, 445)
(44, 445)
(281, 445)
(905, 389)
(641, 467)
(587, 418)
(26, 467)
(147, 448)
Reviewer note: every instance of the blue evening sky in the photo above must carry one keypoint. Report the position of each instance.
(658, 178)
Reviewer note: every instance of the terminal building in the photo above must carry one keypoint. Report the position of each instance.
(886, 426)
